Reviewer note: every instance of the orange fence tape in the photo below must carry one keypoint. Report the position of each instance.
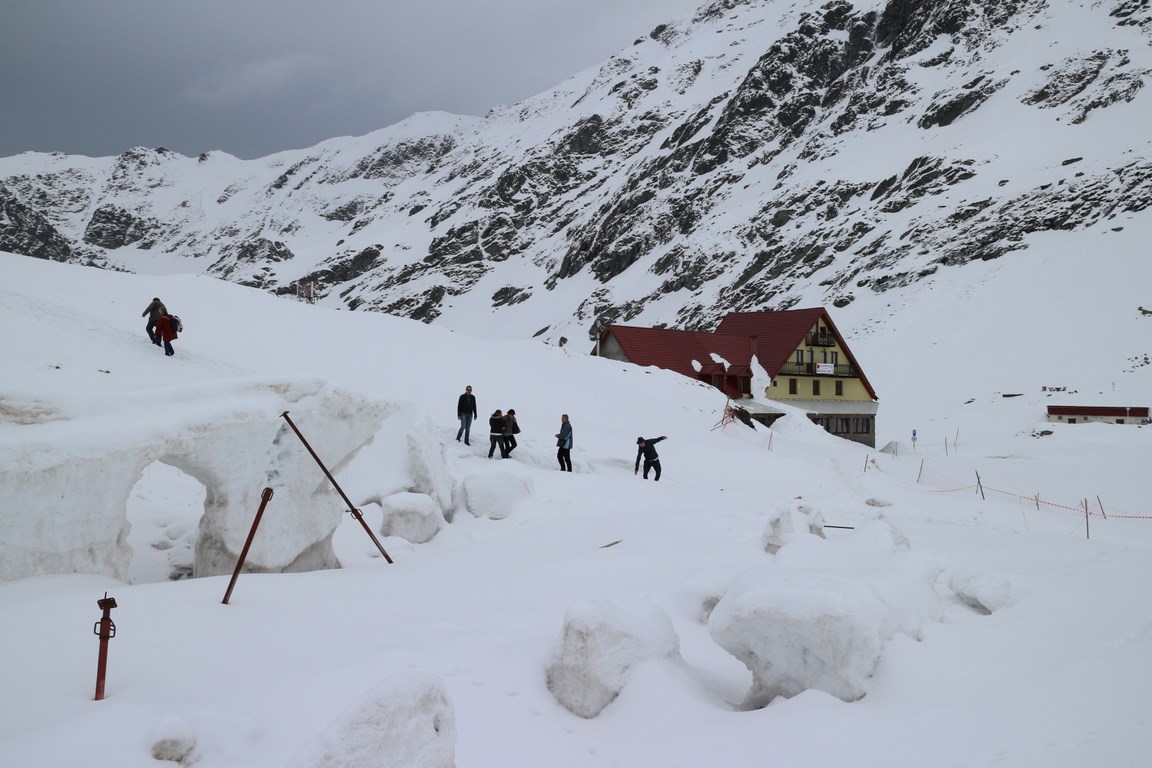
(1033, 499)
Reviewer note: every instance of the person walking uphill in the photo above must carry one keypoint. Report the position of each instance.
(465, 412)
(496, 434)
(153, 311)
(564, 444)
(166, 330)
(646, 448)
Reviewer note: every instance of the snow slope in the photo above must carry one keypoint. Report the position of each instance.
(1006, 629)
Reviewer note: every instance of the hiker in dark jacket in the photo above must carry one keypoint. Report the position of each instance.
(564, 444)
(646, 448)
(511, 429)
(496, 434)
(166, 330)
(153, 311)
(465, 412)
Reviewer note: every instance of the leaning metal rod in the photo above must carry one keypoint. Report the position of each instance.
(264, 499)
(351, 507)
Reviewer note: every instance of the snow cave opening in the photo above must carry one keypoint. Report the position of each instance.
(164, 510)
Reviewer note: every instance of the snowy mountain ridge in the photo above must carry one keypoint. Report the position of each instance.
(760, 154)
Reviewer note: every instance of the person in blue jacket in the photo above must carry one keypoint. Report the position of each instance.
(646, 449)
(564, 444)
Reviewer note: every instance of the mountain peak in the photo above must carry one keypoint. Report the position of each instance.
(757, 155)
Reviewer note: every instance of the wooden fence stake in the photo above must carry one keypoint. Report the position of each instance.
(980, 487)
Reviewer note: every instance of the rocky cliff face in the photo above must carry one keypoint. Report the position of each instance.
(761, 154)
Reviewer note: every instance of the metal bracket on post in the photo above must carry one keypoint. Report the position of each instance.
(351, 507)
(105, 629)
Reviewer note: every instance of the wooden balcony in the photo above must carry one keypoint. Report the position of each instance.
(818, 369)
(820, 340)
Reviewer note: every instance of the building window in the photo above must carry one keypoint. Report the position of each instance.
(839, 388)
(793, 387)
(816, 387)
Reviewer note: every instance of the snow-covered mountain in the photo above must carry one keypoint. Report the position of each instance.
(763, 153)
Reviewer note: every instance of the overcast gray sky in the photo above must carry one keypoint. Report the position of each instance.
(253, 77)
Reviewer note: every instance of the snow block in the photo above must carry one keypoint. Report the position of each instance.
(404, 455)
(405, 722)
(412, 516)
(698, 596)
(67, 482)
(984, 592)
(428, 469)
(819, 614)
(800, 632)
(173, 739)
(789, 520)
(598, 646)
(494, 495)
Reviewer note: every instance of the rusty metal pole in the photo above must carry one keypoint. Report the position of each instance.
(106, 630)
(351, 507)
(264, 499)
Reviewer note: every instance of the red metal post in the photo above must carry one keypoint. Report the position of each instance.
(106, 630)
(264, 498)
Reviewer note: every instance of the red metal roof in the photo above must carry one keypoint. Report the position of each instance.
(771, 336)
(1098, 410)
(675, 350)
(778, 334)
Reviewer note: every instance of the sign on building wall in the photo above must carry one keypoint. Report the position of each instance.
(826, 368)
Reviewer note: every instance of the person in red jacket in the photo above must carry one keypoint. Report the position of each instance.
(166, 330)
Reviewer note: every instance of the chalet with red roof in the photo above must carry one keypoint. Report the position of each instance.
(801, 351)
(1109, 414)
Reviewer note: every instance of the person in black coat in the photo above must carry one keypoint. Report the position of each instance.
(465, 412)
(646, 449)
(496, 434)
(511, 429)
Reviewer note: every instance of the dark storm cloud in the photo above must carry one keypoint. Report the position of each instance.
(252, 77)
